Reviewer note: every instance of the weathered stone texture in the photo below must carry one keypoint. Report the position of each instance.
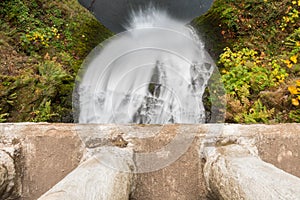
(234, 171)
(49, 152)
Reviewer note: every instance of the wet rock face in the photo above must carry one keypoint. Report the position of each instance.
(115, 14)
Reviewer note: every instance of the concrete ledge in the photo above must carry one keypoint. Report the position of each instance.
(49, 152)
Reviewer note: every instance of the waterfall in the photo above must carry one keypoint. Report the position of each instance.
(154, 73)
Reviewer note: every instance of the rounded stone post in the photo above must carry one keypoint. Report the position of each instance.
(106, 176)
(7, 174)
(234, 171)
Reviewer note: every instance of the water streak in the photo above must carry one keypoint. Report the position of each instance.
(155, 73)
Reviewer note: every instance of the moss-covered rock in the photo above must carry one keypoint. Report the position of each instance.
(42, 45)
(260, 60)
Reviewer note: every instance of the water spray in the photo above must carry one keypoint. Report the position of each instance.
(154, 72)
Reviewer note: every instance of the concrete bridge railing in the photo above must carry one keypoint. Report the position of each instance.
(209, 161)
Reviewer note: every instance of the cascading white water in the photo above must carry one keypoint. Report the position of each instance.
(154, 73)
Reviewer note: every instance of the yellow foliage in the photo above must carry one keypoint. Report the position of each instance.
(295, 93)
(295, 102)
(288, 63)
(293, 90)
(294, 59)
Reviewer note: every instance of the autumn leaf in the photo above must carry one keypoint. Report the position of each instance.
(294, 59)
(295, 102)
(293, 90)
(288, 63)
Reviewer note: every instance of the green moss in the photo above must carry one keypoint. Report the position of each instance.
(42, 45)
(208, 27)
(271, 30)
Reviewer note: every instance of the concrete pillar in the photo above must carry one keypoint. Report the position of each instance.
(234, 171)
(104, 176)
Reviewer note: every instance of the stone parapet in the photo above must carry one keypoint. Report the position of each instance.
(169, 160)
